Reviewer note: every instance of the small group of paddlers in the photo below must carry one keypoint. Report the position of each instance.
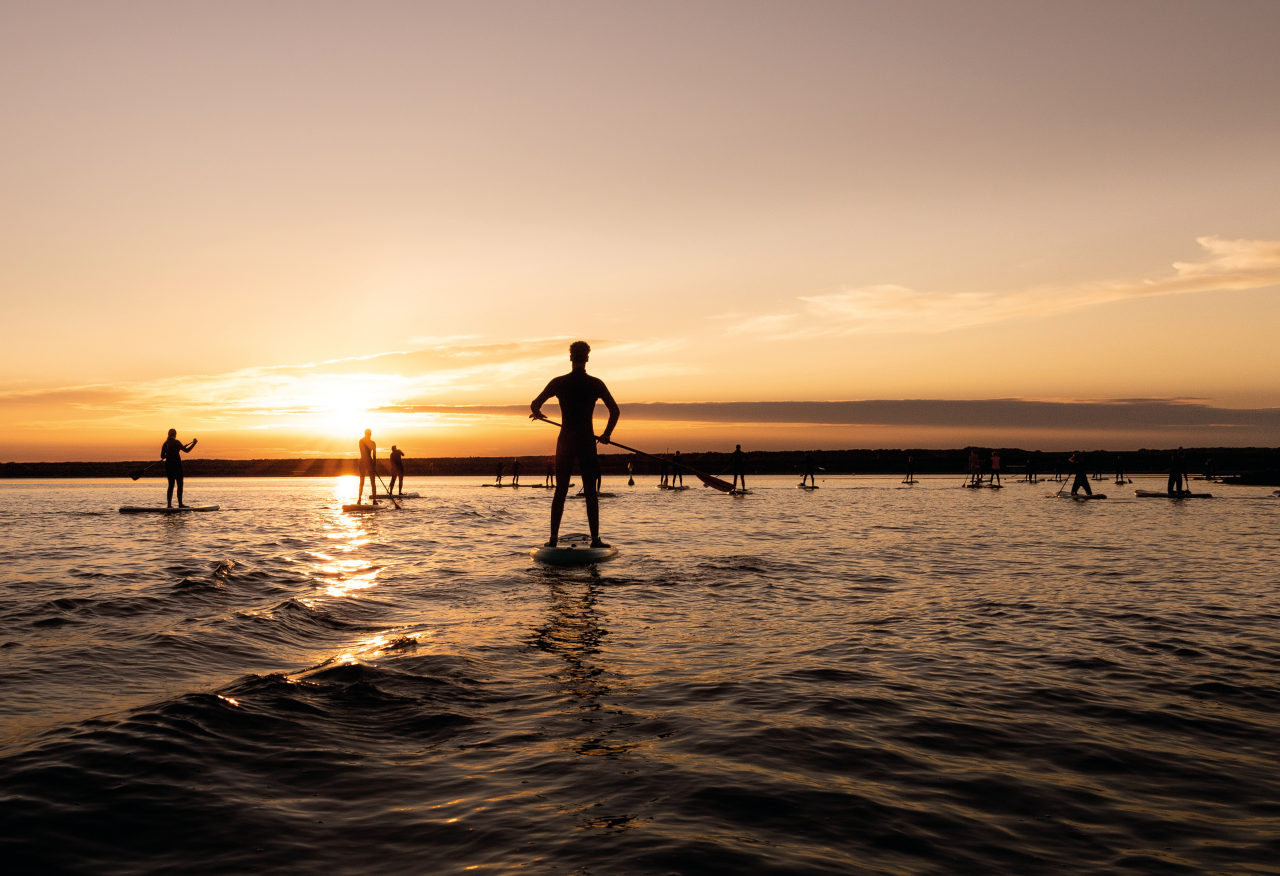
(975, 469)
(368, 468)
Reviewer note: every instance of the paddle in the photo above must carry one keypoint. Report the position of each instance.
(714, 483)
(140, 472)
(384, 486)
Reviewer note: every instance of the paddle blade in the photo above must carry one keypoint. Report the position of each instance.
(715, 483)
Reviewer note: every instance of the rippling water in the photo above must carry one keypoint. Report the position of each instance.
(867, 678)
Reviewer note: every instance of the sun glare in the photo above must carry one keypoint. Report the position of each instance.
(343, 406)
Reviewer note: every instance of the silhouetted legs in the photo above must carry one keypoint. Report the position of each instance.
(174, 481)
(373, 486)
(567, 451)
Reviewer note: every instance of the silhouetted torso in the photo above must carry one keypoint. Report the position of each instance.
(578, 393)
(171, 453)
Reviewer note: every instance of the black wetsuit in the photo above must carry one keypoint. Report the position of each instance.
(171, 453)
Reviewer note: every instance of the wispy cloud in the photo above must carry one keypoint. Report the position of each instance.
(889, 308)
(456, 371)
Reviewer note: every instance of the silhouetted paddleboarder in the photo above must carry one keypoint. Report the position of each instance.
(499, 477)
(808, 471)
(171, 452)
(515, 472)
(396, 458)
(577, 393)
(995, 468)
(911, 471)
(676, 473)
(738, 464)
(1177, 474)
(1081, 467)
(368, 461)
(1120, 478)
(975, 467)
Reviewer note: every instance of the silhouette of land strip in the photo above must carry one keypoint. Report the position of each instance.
(1244, 465)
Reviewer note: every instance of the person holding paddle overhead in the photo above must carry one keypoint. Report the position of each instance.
(577, 393)
(368, 455)
(171, 452)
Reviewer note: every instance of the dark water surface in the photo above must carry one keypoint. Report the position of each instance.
(863, 679)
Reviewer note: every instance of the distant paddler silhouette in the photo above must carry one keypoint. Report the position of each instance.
(171, 452)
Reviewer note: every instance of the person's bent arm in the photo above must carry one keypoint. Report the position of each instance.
(613, 413)
(535, 406)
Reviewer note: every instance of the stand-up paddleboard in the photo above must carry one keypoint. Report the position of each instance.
(398, 496)
(598, 495)
(1164, 494)
(515, 486)
(1081, 497)
(807, 486)
(381, 506)
(164, 509)
(573, 550)
(673, 489)
(742, 492)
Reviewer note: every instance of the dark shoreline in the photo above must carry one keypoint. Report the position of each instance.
(1249, 465)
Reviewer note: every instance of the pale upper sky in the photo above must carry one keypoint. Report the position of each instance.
(275, 224)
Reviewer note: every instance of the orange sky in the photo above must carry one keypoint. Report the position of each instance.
(272, 225)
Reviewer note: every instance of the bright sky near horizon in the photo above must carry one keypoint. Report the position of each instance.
(272, 225)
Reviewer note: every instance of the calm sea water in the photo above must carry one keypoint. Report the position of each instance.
(868, 678)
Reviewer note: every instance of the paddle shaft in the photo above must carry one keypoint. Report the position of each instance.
(722, 486)
(140, 472)
(384, 486)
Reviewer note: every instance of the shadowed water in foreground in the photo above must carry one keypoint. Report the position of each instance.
(865, 678)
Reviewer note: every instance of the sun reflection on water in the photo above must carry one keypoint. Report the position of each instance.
(344, 575)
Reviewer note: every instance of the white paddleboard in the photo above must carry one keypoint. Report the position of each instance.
(573, 550)
(1163, 494)
(162, 509)
(397, 495)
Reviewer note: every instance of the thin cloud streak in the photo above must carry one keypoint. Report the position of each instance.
(1120, 415)
(888, 308)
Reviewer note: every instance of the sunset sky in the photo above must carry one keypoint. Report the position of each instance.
(272, 225)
